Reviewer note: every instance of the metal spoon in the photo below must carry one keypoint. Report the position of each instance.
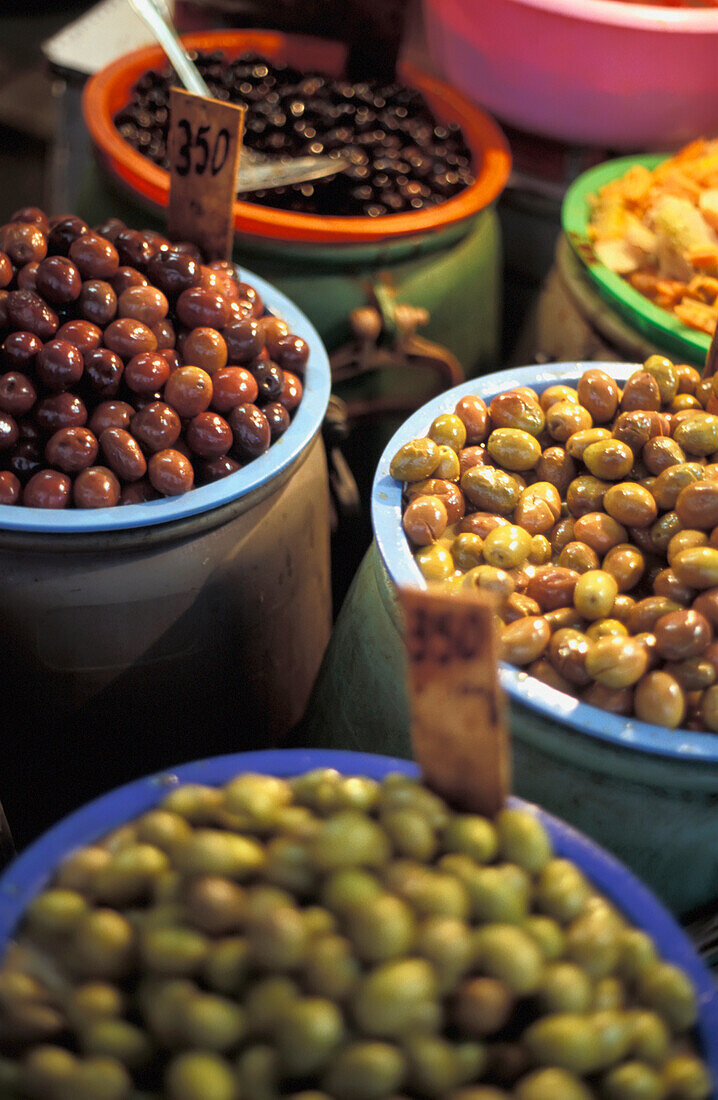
(255, 171)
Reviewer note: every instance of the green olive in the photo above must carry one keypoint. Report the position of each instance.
(383, 928)
(310, 1029)
(566, 1040)
(669, 991)
(550, 1084)
(507, 547)
(389, 1000)
(200, 1075)
(523, 840)
(632, 1081)
(331, 969)
(514, 449)
(686, 1078)
(349, 839)
(565, 988)
(491, 490)
(415, 461)
(509, 954)
(448, 430)
(435, 562)
(562, 890)
(117, 1039)
(472, 835)
(367, 1070)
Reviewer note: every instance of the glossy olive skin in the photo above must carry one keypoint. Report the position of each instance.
(604, 517)
(110, 341)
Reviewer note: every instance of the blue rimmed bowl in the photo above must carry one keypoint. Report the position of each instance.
(32, 870)
(136, 634)
(648, 794)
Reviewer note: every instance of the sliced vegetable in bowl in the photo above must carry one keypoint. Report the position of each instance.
(646, 229)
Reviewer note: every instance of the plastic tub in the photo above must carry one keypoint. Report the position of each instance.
(137, 634)
(588, 72)
(446, 259)
(647, 793)
(32, 870)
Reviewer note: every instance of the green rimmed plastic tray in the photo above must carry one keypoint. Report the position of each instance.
(658, 324)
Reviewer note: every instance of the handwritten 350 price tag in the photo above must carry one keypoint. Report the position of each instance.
(204, 145)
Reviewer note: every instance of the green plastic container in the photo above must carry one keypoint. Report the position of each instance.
(647, 794)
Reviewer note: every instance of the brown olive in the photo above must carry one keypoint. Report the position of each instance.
(641, 392)
(170, 473)
(97, 302)
(630, 504)
(585, 494)
(659, 698)
(626, 564)
(515, 409)
(71, 449)
(557, 467)
(110, 414)
(524, 640)
(617, 662)
(661, 452)
(449, 494)
(96, 487)
(94, 256)
(671, 482)
(490, 489)
(472, 456)
(615, 700)
(128, 337)
(209, 435)
(472, 411)
(155, 427)
(480, 523)
(568, 650)
(564, 418)
(562, 534)
(62, 410)
(199, 306)
(250, 429)
(538, 508)
(425, 520)
(682, 634)
(552, 395)
(608, 459)
(697, 567)
(579, 557)
(143, 303)
(28, 312)
(552, 586)
(666, 583)
(600, 531)
(637, 427)
(122, 454)
(47, 489)
(598, 393)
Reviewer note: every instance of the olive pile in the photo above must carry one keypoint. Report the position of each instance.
(401, 158)
(592, 512)
(129, 369)
(336, 938)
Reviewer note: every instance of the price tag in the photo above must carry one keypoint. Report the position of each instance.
(458, 711)
(204, 145)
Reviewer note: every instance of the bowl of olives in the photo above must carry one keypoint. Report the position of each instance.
(599, 695)
(133, 373)
(593, 524)
(321, 925)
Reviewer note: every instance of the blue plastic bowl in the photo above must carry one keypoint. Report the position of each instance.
(32, 870)
(386, 510)
(306, 422)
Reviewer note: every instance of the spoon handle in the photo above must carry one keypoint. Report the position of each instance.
(156, 17)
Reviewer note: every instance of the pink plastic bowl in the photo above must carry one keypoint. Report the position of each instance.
(588, 72)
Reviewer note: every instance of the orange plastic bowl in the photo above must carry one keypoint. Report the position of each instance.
(110, 89)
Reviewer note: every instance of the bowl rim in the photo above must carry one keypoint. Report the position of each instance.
(30, 871)
(482, 133)
(662, 326)
(260, 471)
(386, 511)
(636, 16)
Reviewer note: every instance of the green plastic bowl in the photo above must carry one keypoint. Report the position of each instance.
(658, 324)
